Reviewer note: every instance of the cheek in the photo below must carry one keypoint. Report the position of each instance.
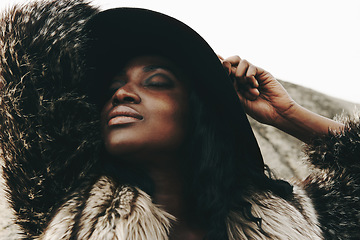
(170, 120)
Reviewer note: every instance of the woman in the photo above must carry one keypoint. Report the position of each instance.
(179, 159)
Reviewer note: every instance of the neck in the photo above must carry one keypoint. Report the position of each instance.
(168, 180)
(169, 186)
(169, 194)
(165, 173)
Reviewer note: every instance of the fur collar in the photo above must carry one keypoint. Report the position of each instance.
(109, 212)
(280, 219)
(113, 211)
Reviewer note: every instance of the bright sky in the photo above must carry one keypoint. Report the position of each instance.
(314, 43)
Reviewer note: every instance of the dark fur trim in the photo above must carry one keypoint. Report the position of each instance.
(41, 48)
(335, 186)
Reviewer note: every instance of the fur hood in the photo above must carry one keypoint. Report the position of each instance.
(41, 47)
(50, 158)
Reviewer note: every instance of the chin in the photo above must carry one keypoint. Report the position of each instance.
(119, 149)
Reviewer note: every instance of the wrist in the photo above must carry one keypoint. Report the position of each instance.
(286, 115)
(291, 111)
(304, 124)
(298, 122)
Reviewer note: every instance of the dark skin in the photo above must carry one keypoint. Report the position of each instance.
(145, 122)
(265, 99)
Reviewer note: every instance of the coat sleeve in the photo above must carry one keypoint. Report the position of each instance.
(47, 129)
(334, 184)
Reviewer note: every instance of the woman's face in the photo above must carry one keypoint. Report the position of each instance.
(146, 112)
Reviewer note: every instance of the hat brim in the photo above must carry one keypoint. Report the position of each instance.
(119, 33)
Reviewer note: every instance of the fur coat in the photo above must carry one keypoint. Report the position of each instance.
(50, 157)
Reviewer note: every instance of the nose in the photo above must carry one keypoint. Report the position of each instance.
(125, 94)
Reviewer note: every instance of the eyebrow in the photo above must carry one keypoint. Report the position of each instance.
(150, 68)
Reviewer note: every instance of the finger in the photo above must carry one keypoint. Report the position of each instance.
(220, 57)
(241, 70)
(250, 97)
(252, 70)
(251, 76)
(227, 67)
(242, 98)
(254, 92)
(233, 60)
(247, 95)
(252, 81)
(249, 92)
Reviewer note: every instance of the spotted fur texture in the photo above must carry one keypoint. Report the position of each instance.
(111, 211)
(280, 219)
(334, 184)
(41, 47)
(49, 140)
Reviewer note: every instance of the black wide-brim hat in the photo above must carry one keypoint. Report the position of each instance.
(121, 33)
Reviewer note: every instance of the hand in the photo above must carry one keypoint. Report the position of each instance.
(263, 97)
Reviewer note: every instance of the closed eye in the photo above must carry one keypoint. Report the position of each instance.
(159, 80)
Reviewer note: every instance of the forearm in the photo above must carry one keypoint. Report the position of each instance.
(267, 101)
(304, 124)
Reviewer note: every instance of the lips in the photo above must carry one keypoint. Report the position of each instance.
(123, 115)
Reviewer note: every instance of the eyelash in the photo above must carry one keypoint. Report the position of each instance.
(147, 83)
(159, 84)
